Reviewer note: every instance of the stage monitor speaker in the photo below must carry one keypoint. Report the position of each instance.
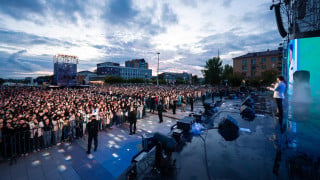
(185, 123)
(229, 129)
(196, 115)
(248, 102)
(208, 108)
(167, 142)
(247, 113)
(147, 143)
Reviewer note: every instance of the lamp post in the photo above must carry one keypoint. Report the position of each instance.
(158, 71)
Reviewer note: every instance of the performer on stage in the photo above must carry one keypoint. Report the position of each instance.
(279, 90)
(160, 110)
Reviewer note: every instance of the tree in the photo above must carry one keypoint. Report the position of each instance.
(227, 71)
(268, 77)
(195, 79)
(136, 80)
(255, 82)
(113, 80)
(212, 71)
(1, 81)
(180, 80)
(41, 79)
(235, 79)
(161, 76)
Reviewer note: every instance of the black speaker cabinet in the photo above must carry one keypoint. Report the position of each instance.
(229, 129)
(247, 113)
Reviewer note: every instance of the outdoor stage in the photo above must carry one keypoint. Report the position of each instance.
(260, 152)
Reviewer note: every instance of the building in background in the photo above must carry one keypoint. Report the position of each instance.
(108, 69)
(29, 80)
(84, 77)
(136, 68)
(171, 78)
(137, 63)
(253, 64)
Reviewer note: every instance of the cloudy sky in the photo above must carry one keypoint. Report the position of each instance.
(185, 32)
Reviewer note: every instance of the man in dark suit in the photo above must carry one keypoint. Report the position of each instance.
(160, 110)
(153, 104)
(174, 107)
(93, 133)
(133, 120)
(191, 103)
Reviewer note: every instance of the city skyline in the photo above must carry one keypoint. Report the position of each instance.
(186, 33)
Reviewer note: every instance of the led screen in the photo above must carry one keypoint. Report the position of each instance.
(304, 54)
(303, 106)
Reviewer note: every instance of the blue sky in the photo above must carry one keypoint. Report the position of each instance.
(185, 32)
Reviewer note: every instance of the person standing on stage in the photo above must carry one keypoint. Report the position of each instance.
(191, 102)
(133, 119)
(153, 103)
(92, 127)
(160, 110)
(279, 90)
(174, 107)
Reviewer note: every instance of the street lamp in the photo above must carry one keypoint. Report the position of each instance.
(158, 71)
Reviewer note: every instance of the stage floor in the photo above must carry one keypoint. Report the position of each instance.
(260, 152)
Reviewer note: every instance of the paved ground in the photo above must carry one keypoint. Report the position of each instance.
(70, 161)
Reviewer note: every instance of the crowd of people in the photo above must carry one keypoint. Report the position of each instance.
(32, 118)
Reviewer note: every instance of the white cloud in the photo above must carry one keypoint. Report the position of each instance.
(186, 33)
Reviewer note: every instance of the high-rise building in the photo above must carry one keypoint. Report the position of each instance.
(253, 64)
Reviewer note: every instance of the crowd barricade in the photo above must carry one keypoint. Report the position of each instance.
(20, 143)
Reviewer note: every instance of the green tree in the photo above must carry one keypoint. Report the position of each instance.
(195, 79)
(212, 71)
(136, 80)
(180, 80)
(161, 76)
(255, 82)
(235, 79)
(268, 77)
(113, 80)
(2, 81)
(227, 71)
(162, 81)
